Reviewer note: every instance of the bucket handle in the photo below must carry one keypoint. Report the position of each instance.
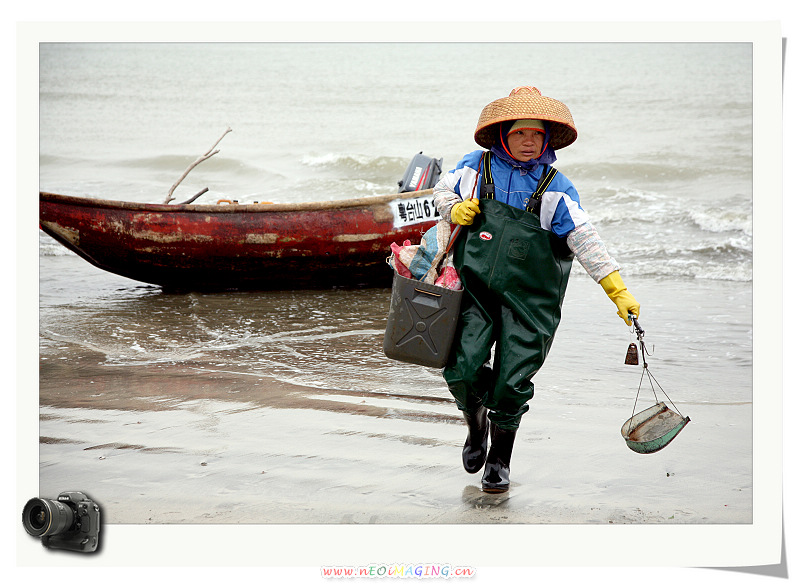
(428, 293)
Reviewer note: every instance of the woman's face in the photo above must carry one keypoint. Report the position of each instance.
(525, 144)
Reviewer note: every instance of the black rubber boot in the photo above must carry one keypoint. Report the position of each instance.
(496, 476)
(473, 456)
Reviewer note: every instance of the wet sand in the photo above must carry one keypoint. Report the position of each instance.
(196, 444)
(281, 408)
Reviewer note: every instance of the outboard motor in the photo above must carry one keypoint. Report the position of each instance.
(422, 173)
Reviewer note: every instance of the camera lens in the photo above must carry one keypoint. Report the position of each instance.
(42, 517)
(37, 517)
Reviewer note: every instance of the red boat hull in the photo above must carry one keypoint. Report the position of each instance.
(240, 246)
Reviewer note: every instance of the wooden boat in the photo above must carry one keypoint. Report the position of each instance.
(222, 246)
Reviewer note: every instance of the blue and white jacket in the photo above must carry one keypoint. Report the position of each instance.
(560, 213)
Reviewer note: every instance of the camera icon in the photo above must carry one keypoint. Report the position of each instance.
(72, 521)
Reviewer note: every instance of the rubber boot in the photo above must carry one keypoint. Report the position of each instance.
(473, 456)
(498, 462)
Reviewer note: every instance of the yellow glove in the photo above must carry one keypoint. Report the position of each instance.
(463, 213)
(616, 290)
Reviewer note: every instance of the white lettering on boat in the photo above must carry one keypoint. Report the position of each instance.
(412, 211)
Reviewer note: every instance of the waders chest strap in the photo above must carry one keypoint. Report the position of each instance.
(487, 183)
(534, 202)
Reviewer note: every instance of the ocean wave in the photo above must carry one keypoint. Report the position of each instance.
(689, 268)
(178, 163)
(720, 220)
(732, 249)
(668, 167)
(609, 195)
(368, 165)
(728, 259)
(611, 205)
(636, 172)
(46, 159)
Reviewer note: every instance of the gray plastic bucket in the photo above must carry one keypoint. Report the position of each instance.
(422, 322)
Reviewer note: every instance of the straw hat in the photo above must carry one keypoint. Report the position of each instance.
(526, 102)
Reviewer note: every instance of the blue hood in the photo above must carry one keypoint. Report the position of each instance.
(548, 157)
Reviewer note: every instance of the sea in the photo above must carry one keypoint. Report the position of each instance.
(663, 164)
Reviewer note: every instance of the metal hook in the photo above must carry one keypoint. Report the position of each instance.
(637, 327)
(640, 336)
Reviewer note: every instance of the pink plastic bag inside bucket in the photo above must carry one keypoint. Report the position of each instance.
(431, 261)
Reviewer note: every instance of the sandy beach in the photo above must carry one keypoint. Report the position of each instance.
(318, 456)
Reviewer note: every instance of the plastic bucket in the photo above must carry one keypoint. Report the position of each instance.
(422, 322)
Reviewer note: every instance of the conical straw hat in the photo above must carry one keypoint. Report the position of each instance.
(526, 102)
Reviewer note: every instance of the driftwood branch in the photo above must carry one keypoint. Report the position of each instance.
(200, 193)
(211, 152)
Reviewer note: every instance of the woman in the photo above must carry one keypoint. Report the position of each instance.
(522, 223)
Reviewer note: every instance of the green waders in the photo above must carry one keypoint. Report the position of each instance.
(515, 276)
